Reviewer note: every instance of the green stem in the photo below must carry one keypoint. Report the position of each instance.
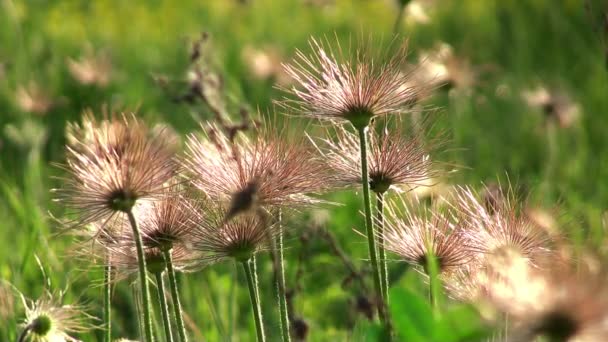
(371, 236)
(434, 283)
(164, 308)
(24, 333)
(107, 298)
(381, 251)
(143, 279)
(280, 279)
(177, 310)
(399, 18)
(253, 295)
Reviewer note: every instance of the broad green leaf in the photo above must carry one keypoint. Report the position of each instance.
(412, 316)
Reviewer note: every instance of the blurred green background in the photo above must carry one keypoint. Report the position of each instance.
(527, 103)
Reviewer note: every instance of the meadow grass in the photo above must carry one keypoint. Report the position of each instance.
(494, 134)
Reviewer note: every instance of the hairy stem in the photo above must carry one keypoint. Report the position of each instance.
(177, 305)
(371, 236)
(143, 279)
(107, 298)
(381, 251)
(248, 266)
(164, 308)
(24, 333)
(280, 280)
(434, 283)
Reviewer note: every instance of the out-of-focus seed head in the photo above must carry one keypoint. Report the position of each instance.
(394, 158)
(557, 105)
(432, 233)
(47, 320)
(499, 223)
(333, 86)
(91, 69)
(274, 168)
(562, 303)
(300, 329)
(111, 164)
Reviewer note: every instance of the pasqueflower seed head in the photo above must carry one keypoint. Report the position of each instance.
(274, 168)
(116, 162)
(333, 86)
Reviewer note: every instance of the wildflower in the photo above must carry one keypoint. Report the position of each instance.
(165, 226)
(417, 11)
(559, 303)
(46, 320)
(498, 224)
(240, 238)
(34, 99)
(338, 88)
(416, 238)
(112, 164)
(273, 169)
(264, 64)
(557, 105)
(442, 67)
(91, 69)
(394, 159)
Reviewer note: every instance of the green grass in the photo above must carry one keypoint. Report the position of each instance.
(516, 44)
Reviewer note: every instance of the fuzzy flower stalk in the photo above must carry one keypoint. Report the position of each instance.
(238, 239)
(166, 229)
(275, 169)
(356, 90)
(111, 164)
(47, 320)
(396, 159)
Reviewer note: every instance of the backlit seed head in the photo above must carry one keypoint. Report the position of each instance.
(275, 168)
(432, 233)
(499, 223)
(394, 158)
(47, 320)
(111, 164)
(561, 303)
(165, 225)
(215, 239)
(333, 86)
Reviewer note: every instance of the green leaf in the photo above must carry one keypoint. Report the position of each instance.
(461, 324)
(412, 316)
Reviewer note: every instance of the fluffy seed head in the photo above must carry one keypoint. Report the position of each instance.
(216, 239)
(49, 321)
(417, 237)
(562, 303)
(111, 164)
(275, 168)
(500, 224)
(334, 87)
(165, 225)
(394, 158)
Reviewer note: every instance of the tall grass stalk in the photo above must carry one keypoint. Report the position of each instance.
(164, 308)
(371, 236)
(249, 267)
(143, 279)
(177, 305)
